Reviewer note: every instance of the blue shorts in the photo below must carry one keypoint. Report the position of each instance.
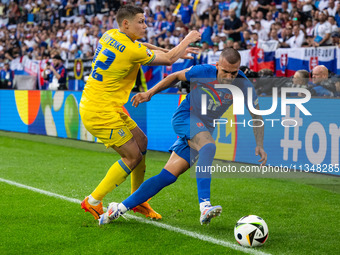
(186, 125)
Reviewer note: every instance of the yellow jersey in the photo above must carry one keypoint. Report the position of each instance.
(114, 71)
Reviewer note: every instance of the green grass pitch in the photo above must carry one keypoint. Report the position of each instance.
(302, 214)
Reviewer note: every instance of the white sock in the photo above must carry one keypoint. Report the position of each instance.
(204, 204)
(122, 208)
(93, 201)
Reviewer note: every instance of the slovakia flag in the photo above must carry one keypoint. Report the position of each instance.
(262, 56)
(288, 61)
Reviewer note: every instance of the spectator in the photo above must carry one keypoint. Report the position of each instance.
(259, 17)
(252, 6)
(159, 12)
(254, 38)
(7, 76)
(222, 41)
(236, 6)
(47, 75)
(321, 85)
(323, 4)
(309, 27)
(154, 3)
(300, 79)
(206, 30)
(266, 24)
(186, 12)
(233, 26)
(160, 27)
(284, 7)
(237, 46)
(245, 43)
(297, 39)
(57, 76)
(219, 27)
(322, 31)
(251, 20)
(309, 41)
(284, 18)
(260, 31)
(203, 7)
(335, 39)
(230, 43)
(273, 35)
(264, 6)
(334, 26)
(331, 8)
(307, 7)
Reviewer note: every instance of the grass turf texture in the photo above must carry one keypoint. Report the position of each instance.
(302, 214)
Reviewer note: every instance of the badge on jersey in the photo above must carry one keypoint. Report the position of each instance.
(200, 124)
(148, 52)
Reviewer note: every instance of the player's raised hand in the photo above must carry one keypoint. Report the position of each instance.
(140, 98)
(260, 151)
(192, 50)
(193, 36)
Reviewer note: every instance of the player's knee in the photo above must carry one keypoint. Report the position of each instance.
(133, 160)
(144, 144)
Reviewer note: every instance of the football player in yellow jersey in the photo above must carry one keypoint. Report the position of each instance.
(114, 70)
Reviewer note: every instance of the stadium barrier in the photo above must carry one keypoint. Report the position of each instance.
(295, 140)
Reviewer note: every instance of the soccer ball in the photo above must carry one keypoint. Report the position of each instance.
(251, 231)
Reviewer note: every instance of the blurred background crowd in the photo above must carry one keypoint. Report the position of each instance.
(42, 29)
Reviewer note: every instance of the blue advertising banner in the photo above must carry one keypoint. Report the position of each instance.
(294, 140)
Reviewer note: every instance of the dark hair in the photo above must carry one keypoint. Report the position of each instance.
(231, 55)
(304, 74)
(57, 57)
(127, 12)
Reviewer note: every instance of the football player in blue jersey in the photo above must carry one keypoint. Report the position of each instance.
(194, 131)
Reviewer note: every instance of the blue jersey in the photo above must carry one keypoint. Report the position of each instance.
(188, 121)
(218, 100)
(186, 12)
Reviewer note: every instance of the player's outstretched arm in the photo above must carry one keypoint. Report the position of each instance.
(193, 50)
(153, 47)
(179, 51)
(259, 134)
(168, 82)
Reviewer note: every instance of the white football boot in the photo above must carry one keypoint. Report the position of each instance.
(210, 212)
(112, 213)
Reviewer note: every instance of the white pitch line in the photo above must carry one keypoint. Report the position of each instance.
(155, 223)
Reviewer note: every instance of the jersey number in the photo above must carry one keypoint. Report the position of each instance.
(103, 65)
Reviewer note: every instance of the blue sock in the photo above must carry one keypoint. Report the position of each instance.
(205, 159)
(149, 188)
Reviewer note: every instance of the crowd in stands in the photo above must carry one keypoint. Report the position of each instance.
(41, 29)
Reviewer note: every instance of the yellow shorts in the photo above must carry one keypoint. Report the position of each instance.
(112, 128)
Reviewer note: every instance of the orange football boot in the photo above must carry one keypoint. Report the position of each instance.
(146, 210)
(95, 210)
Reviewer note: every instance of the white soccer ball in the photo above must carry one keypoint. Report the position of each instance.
(251, 231)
